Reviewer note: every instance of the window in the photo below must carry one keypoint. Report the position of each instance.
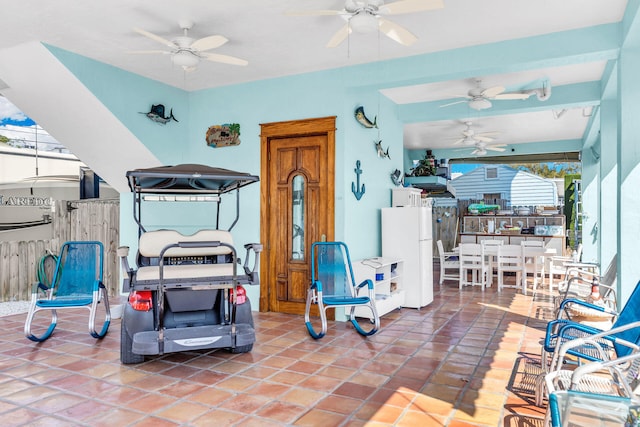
(297, 214)
(491, 198)
(491, 173)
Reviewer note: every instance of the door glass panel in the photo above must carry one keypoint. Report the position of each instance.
(297, 211)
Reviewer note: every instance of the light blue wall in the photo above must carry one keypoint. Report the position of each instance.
(338, 92)
(328, 93)
(127, 95)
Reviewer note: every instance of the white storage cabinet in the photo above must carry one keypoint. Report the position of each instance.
(386, 275)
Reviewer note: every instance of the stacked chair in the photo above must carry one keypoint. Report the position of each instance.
(577, 285)
(582, 358)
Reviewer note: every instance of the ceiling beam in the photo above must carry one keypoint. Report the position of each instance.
(524, 149)
(562, 97)
(598, 43)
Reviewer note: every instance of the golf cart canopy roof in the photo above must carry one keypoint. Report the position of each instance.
(187, 178)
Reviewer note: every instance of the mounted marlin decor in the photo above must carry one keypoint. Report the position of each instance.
(363, 120)
(156, 114)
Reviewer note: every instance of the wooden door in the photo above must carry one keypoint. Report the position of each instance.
(297, 199)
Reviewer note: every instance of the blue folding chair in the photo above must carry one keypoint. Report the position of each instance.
(76, 282)
(562, 330)
(333, 285)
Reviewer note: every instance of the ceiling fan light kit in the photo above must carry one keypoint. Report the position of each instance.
(185, 59)
(479, 104)
(363, 22)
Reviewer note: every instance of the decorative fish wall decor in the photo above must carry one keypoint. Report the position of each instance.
(363, 120)
(397, 178)
(380, 150)
(156, 114)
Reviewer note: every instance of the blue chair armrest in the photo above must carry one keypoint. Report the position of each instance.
(367, 282)
(586, 304)
(563, 330)
(317, 285)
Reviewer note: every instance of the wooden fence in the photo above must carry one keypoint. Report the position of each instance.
(94, 219)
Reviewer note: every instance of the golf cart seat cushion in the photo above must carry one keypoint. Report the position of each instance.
(191, 271)
(152, 242)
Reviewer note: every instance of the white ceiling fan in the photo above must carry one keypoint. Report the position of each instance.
(480, 98)
(365, 16)
(482, 148)
(187, 52)
(470, 136)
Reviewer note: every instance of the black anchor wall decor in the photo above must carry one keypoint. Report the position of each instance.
(357, 190)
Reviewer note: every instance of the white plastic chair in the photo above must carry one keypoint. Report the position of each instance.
(448, 261)
(558, 265)
(532, 263)
(472, 260)
(490, 248)
(509, 261)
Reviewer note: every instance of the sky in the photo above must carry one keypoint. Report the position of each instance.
(462, 168)
(14, 124)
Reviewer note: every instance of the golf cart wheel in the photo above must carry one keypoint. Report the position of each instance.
(127, 356)
(242, 349)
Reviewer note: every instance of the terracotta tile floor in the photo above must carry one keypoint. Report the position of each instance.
(467, 359)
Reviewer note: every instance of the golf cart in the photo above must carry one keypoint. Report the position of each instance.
(186, 290)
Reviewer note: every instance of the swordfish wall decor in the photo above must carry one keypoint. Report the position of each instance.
(156, 114)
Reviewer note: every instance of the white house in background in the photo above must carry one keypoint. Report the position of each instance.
(489, 182)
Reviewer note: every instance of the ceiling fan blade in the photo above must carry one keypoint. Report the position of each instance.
(483, 138)
(493, 91)
(152, 36)
(210, 42)
(396, 32)
(313, 12)
(410, 6)
(514, 95)
(147, 52)
(453, 103)
(225, 59)
(494, 133)
(339, 36)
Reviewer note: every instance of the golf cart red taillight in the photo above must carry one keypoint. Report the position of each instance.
(140, 300)
(241, 295)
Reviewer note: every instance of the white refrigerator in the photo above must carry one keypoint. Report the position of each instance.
(406, 235)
